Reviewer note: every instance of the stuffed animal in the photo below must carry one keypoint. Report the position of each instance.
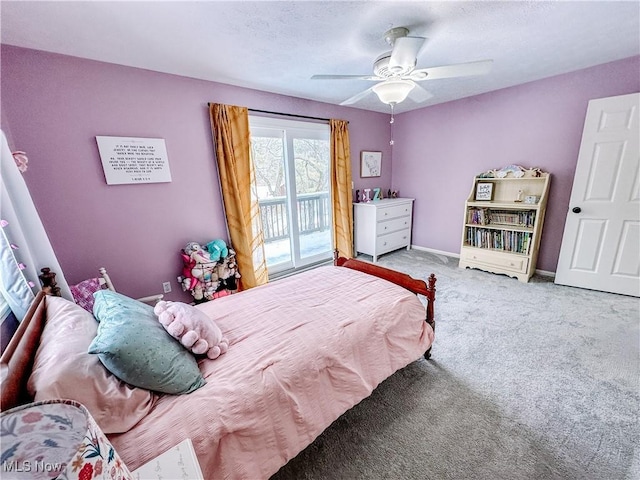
(211, 287)
(220, 294)
(198, 255)
(228, 272)
(198, 271)
(217, 250)
(231, 274)
(197, 332)
(187, 279)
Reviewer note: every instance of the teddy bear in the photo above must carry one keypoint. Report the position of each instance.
(199, 258)
(192, 328)
(217, 250)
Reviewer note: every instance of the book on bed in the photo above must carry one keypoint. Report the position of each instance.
(179, 463)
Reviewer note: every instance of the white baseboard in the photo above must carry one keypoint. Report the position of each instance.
(544, 273)
(437, 252)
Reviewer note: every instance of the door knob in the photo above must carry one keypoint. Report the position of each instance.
(576, 209)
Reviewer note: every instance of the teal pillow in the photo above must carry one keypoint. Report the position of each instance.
(133, 345)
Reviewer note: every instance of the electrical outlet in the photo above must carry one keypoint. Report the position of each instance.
(166, 287)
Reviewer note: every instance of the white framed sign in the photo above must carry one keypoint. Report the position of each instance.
(484, 191)
(134, 160)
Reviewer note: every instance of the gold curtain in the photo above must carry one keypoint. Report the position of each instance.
(230, 128)
(341, 194)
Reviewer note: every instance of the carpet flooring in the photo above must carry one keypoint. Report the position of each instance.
(527, 381)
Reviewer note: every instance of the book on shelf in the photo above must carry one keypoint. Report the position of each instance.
(508, 218)
(505, 240)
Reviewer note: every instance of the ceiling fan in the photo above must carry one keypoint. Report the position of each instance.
(397, 74)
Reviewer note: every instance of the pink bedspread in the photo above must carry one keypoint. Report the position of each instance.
(303, 350)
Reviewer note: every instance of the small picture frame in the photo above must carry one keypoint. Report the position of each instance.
(370, 164)
(484, 191)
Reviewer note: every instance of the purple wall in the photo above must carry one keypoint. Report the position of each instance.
(438, 150)
(53, 107)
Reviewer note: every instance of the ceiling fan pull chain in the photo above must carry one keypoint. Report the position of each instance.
(391, 124)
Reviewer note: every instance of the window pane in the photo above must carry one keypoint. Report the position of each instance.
(311, 159)
(268, 158)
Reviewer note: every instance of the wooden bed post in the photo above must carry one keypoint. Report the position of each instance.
(431, 288)
(49, 283)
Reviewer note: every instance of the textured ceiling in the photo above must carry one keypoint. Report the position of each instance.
(278, 46)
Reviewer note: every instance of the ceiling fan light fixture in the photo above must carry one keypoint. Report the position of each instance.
(393, 91)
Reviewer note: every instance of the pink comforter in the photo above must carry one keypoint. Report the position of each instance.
(303, 350)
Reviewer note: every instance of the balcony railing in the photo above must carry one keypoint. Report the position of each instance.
(313, 215)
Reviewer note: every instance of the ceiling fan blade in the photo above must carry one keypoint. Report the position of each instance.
(345, 77)
(481, 67)
(419, 94)
(404, 53)
(357, 97)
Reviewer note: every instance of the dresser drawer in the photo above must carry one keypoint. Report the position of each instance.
(393, 225)
(392, 241)
(496, 259)
(393, 211)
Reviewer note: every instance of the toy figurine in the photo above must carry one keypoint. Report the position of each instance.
(519, 197)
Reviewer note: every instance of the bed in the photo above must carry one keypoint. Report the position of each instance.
(303, 350)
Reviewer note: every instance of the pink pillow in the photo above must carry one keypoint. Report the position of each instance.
(63, 369)
(83, 292)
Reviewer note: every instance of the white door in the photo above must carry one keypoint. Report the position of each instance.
(601, 242)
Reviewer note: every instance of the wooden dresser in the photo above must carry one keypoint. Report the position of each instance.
(382, 226)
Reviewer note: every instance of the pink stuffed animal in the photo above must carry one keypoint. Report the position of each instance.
(192, 328)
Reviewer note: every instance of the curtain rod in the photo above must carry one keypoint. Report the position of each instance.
(286, 114)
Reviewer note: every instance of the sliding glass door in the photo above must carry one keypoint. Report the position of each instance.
(291, 160)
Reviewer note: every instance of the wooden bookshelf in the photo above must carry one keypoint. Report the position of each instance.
(503, 220)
